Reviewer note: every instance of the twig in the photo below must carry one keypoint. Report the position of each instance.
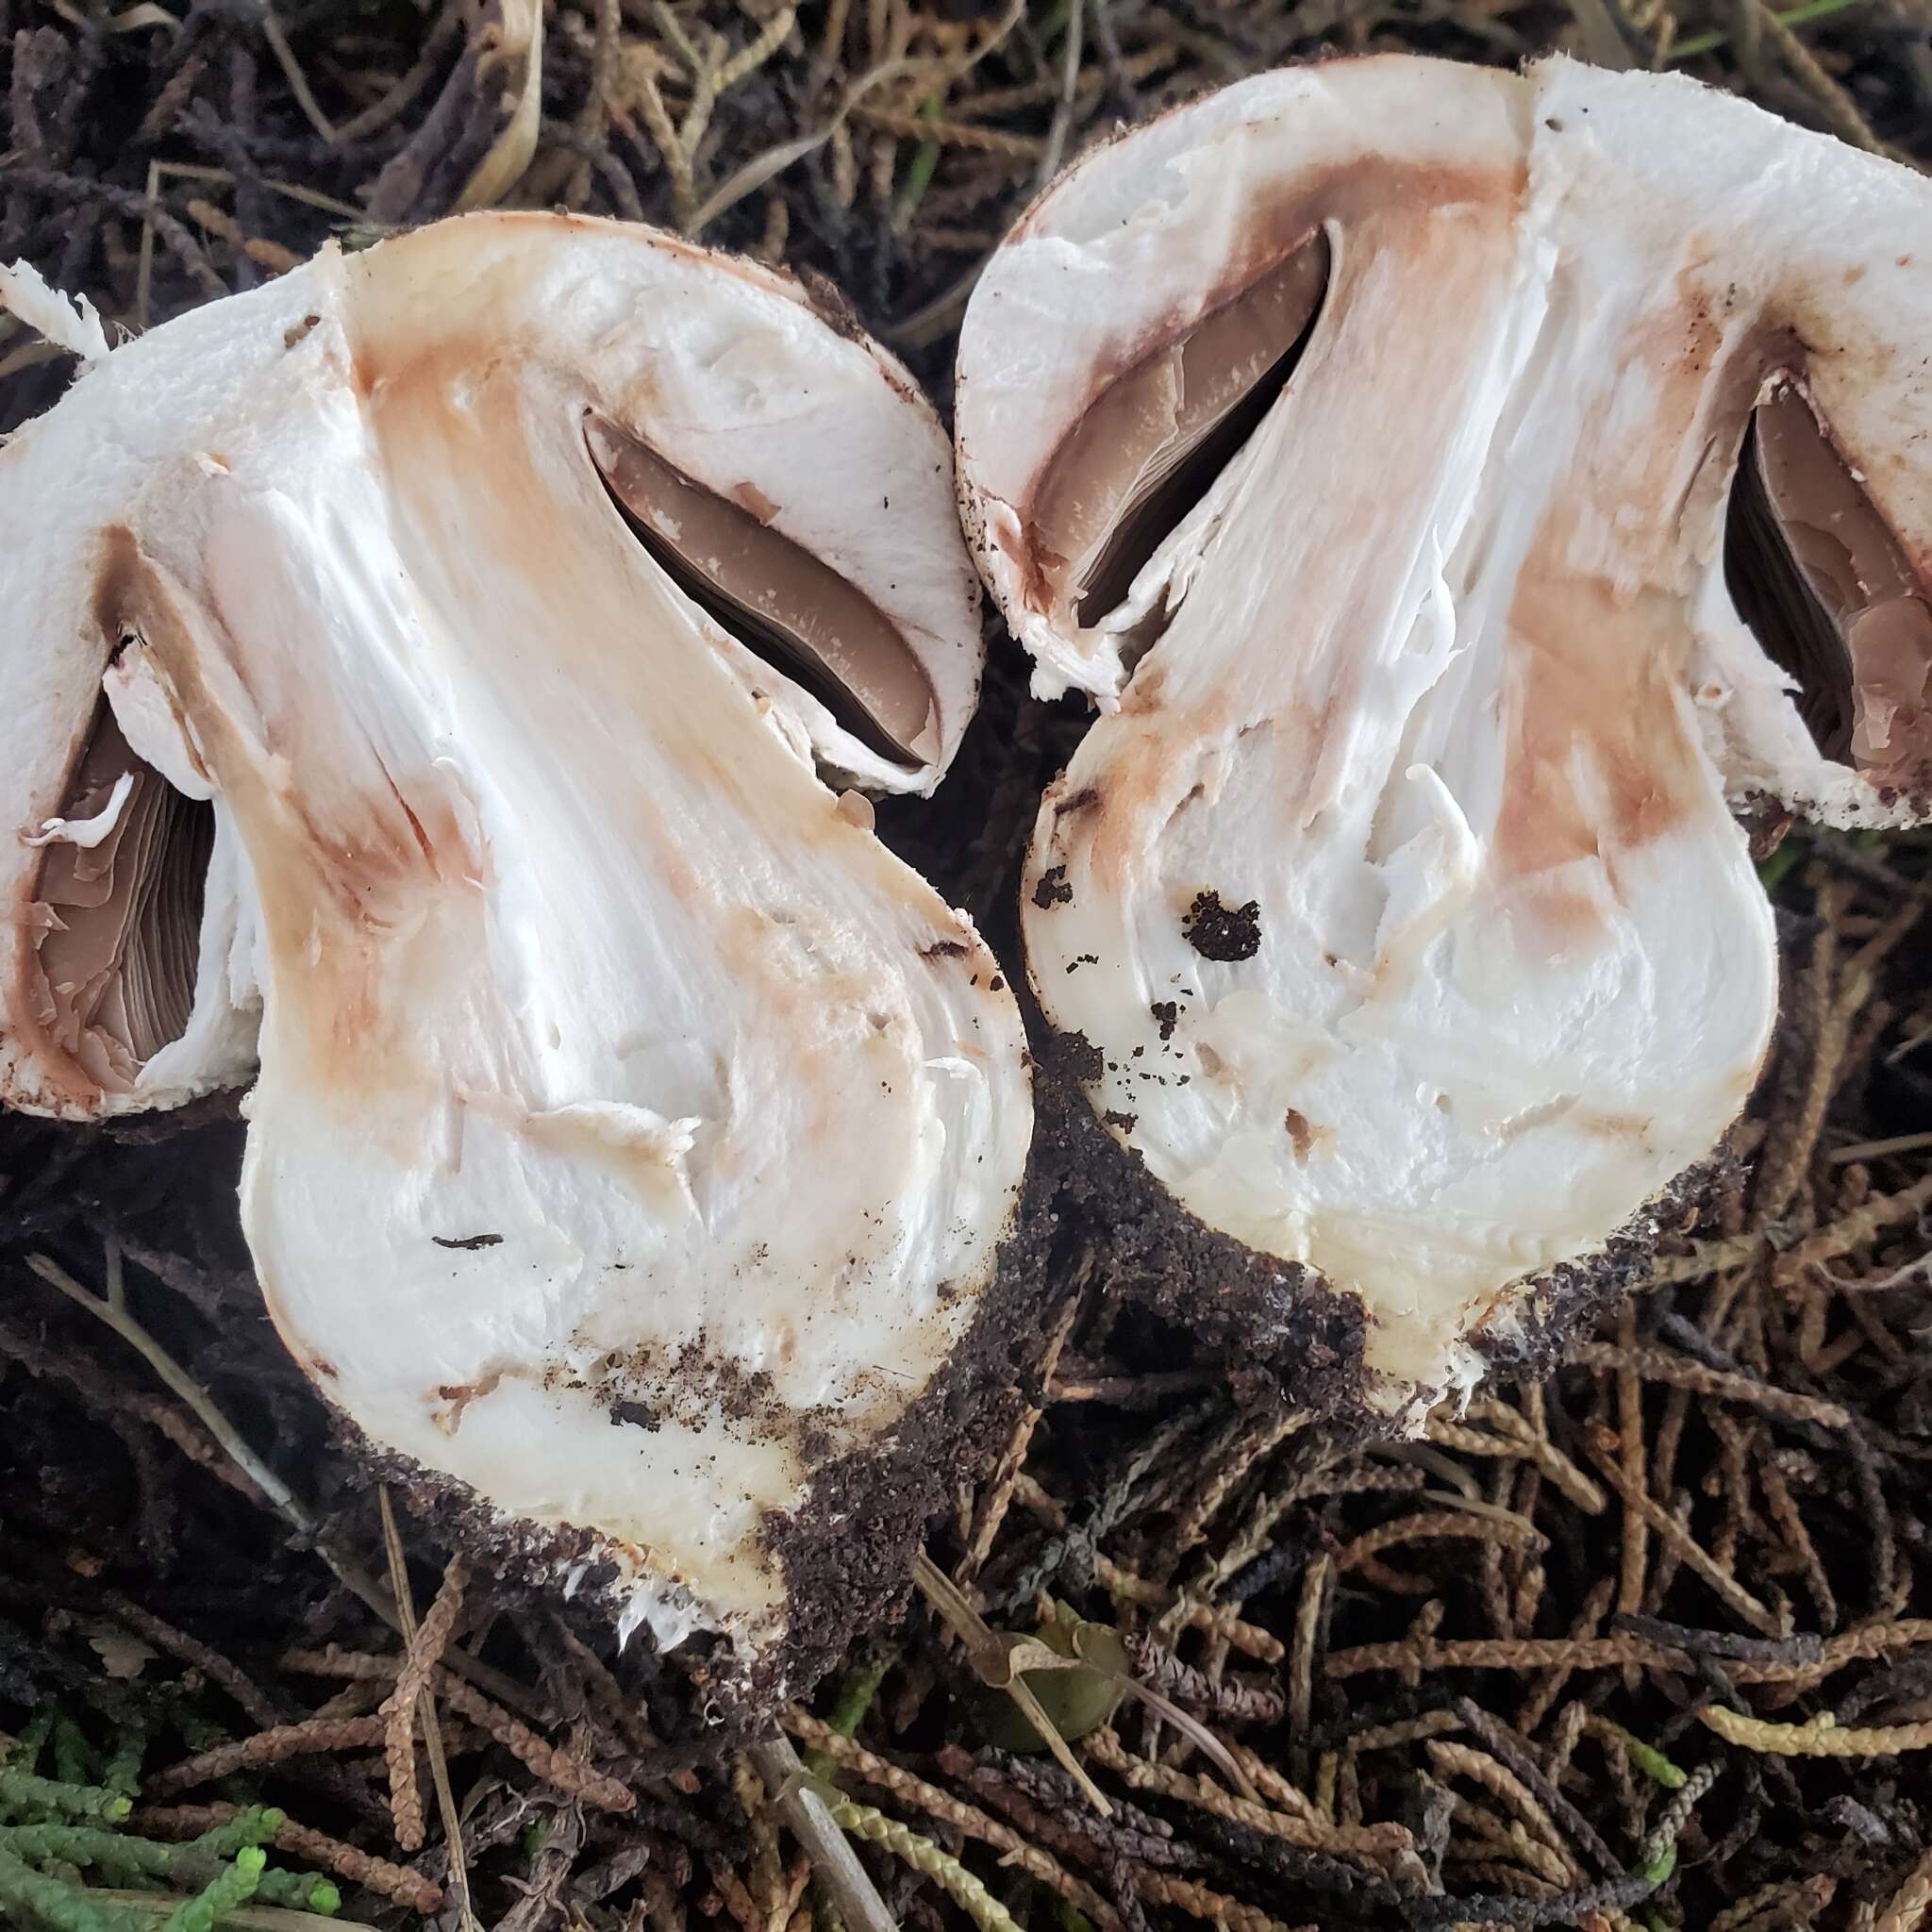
(396, 1882)
(959, 1885)
(1911, 1903)
(266, 1748)
(1680, 1371)
(1818, 1737)
(424, 1646)
(962, 1817)
(292, 71)
(814, 1826)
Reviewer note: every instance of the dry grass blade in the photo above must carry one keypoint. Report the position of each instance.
(517, 44)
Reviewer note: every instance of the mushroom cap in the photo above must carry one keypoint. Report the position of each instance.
(634, 1135)
(1397, 890)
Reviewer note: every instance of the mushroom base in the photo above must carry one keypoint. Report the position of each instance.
(846, 1553)
(1285, 1338)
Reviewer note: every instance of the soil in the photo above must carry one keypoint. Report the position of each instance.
(1644, 1637)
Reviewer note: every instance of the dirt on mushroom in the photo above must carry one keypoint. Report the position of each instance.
(156, 1606)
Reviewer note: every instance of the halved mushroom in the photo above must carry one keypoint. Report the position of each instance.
(1585, 491)
(429, 658)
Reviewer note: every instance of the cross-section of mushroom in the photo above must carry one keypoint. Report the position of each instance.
(430, 660)
(1457, 489)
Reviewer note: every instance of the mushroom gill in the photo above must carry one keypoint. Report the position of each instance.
(635, 1137)
(1822, 580)
(1395, 897)
(116, 906)
(795, 611)
(1149, 445)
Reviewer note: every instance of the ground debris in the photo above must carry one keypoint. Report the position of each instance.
(1634, 1644)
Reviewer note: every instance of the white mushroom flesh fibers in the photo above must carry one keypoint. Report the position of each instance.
(1397, 888)
(634, 1133)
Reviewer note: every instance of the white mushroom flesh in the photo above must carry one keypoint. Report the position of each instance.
(634, 1133)
(1397, 888)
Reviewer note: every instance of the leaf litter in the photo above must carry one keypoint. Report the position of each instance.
(1645, 1642)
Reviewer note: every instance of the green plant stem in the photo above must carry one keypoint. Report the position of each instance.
(919, 171)
(118, 1856)
(256, 1825)
(123, 1771)
(31, 1898)
(151, 1906)
(22, 1790)
(73, 1760)
(88, 1846)
(235, 1884)
(846, 1888)
(1646, 1758)
(23, 1752)
(855, 1698)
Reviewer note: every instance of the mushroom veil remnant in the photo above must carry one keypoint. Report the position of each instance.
(1459, 491)
(419, 678)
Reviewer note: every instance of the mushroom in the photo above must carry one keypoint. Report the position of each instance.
(1459, 492)
(419, 674)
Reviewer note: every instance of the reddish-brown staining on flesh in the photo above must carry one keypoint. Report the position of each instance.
(1589, 685)
(1597, 760)
(1219, 931)
(453, 1398)
(133, 597)
(336, 885)
(753, 501)
(1144, 771)
(1594, 666)
(1300, 1132)
(1033, 564)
